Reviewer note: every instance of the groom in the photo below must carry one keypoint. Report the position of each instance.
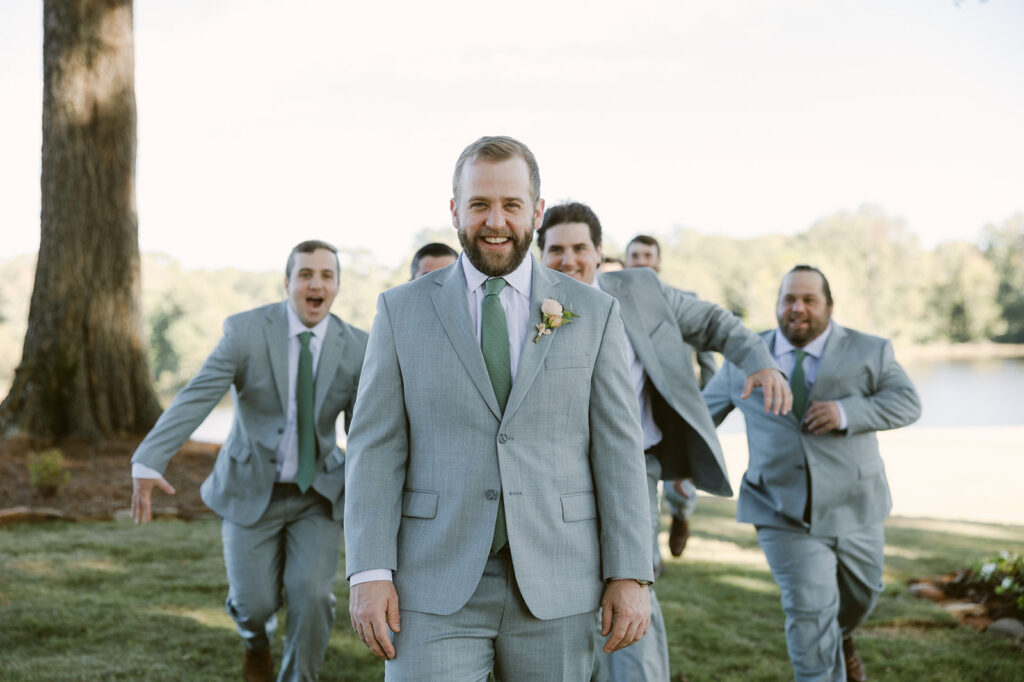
(495, 485)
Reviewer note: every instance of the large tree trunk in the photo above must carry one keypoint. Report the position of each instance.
(84, 370)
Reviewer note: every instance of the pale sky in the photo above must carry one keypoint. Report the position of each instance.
(263, 123)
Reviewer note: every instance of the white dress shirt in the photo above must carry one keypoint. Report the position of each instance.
(785, 357)
(652, 434)
(288, 445)
(515, 301)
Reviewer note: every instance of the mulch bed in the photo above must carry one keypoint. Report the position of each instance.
(100, 485)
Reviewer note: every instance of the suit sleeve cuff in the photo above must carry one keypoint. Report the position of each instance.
(142, 471)
(367, 576)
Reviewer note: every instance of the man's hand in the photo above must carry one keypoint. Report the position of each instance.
(373, 608)
(778, 399)
(627, 605)
(822, 416)
(142, 489)
(678, 486)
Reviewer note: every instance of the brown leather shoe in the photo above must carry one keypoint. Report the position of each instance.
(678, 534)
(854, 665)
(257, 665)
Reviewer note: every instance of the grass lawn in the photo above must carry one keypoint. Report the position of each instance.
(109, 601)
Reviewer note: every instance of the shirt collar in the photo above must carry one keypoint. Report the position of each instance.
(295, 326)
(519, 279)
(815, 348)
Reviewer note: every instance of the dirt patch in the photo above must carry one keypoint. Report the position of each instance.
(100, 485)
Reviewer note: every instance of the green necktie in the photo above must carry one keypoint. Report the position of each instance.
(494, 344)
(798, 386)
(304, 403)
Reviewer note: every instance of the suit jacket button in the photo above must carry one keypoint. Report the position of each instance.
(492, 494)
(280, 431)
(503, 439)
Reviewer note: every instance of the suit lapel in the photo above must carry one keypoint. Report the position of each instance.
(828, 366)
(330, 356)
(276, 334)
(637, 330)
(543, 285)
(449, 299)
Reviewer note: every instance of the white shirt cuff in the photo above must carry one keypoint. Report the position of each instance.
(367, 576)
(143, 471)
(842, 416)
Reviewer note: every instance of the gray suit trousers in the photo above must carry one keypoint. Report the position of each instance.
(292, 551)
(493, 631)
(829, 586)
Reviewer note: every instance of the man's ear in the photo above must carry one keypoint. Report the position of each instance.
(455, 213)
(286, 284)
(538, 214)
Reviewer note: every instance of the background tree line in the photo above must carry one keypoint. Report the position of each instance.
(882, 279)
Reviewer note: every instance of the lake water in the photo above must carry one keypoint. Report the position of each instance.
(953, 393)
(960, 393)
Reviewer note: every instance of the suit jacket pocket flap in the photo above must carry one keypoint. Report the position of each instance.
(579, 507)
(872, 468)
(567, 361)
(419, 503)
(238, 451)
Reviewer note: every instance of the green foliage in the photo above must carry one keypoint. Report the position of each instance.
(46, 471)
(1004, 575)
(1003, 246)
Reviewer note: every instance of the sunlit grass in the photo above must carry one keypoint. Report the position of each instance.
(111, 601)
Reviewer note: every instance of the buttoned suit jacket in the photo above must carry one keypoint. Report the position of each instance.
(252, 358)
(848, 486)
(430, 449)
(665, 327)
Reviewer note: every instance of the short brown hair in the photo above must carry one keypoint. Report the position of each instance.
(647, 240)
(309, 246)
(495, 149)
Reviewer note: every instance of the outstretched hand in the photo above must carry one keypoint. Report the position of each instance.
(373, 608)
(142, 490)
(778, 399)
(625, 614)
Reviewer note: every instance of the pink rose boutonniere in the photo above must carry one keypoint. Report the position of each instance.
(553, 315)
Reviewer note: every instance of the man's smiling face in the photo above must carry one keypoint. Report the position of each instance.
(569, 248)
(312, 285)
(495, 215)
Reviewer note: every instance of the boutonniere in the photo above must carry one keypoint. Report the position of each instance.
(553, 315)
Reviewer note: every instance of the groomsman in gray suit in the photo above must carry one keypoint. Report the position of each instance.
(279, 477)
(815, 487)
(663, 326)
(644, 251)
(495, 493)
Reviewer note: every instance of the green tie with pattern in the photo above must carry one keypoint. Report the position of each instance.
(494, 344)
(798, 386)
(304, 403)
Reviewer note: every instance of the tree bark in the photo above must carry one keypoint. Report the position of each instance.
(84, 370)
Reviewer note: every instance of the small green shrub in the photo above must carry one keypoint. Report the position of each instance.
(1004, 574)
(46, 471)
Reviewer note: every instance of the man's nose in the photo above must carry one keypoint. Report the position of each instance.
(495, 217)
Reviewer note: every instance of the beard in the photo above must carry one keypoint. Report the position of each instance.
(495, 264)
(801, 337)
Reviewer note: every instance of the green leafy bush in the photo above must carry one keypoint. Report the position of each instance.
(46, 471)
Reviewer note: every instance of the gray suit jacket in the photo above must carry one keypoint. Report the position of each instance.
(429, 452)
(252, 357)
(848, 487)
(665, 326)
